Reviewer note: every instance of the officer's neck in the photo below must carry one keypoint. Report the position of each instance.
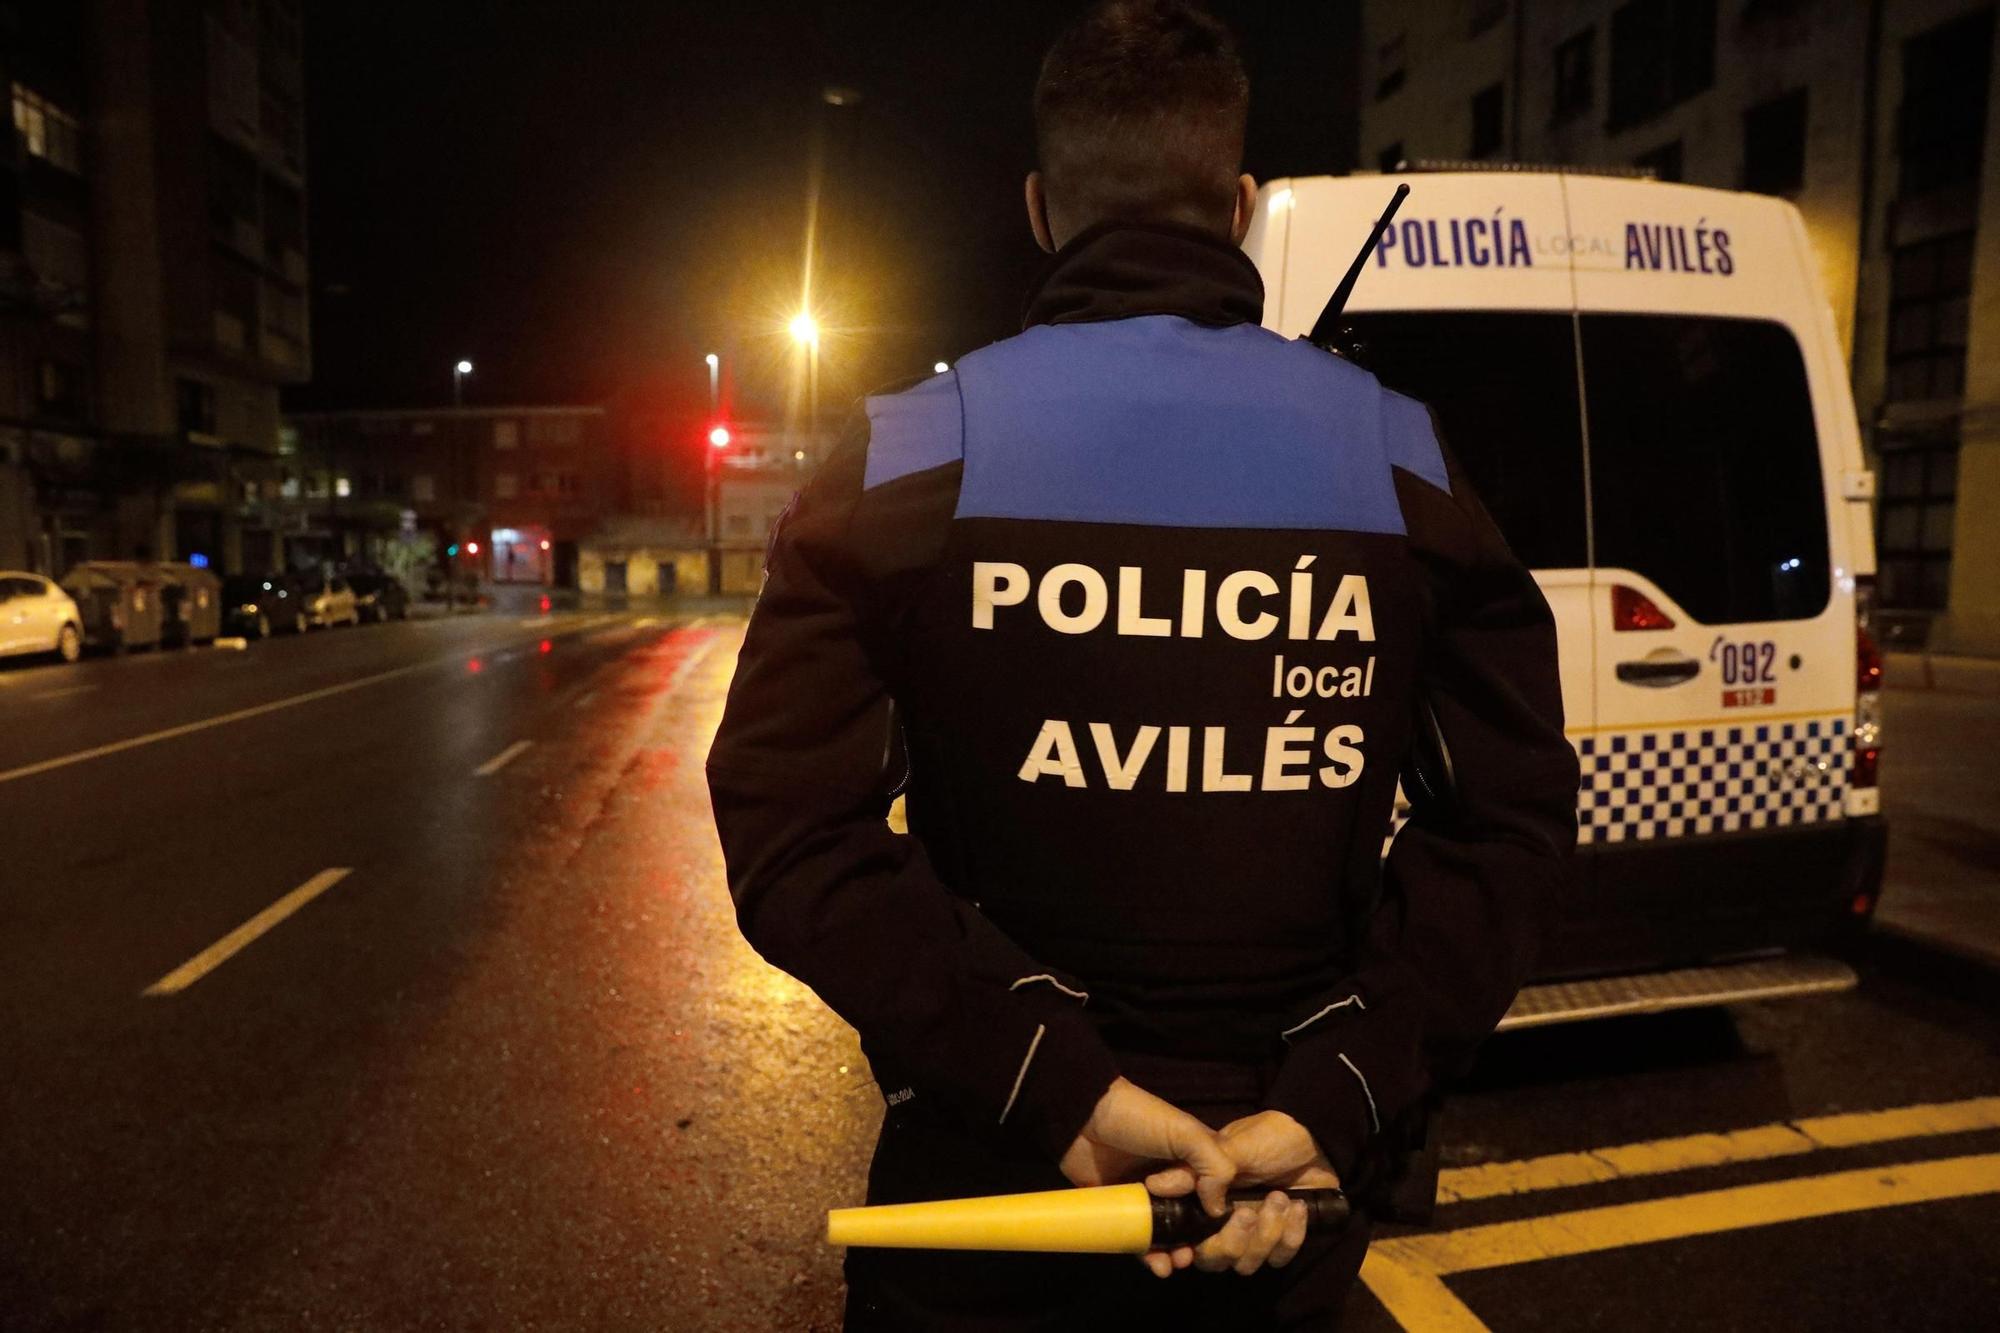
(1121, 270)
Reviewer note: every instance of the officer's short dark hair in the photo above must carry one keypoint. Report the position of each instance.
(1139, 115)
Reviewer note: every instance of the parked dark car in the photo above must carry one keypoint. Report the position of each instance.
(258, 606)
(380, 597)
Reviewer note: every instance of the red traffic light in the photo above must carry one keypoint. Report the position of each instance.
(545, 543)
(472, 548)
(720, 437)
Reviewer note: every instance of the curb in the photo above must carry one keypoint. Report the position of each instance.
(1933, 962)
(1942, 673)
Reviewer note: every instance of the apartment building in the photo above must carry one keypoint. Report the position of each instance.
(1875, 118)
(524, 484)
(153, 277)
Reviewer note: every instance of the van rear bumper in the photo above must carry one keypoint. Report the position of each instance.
(1667, 904)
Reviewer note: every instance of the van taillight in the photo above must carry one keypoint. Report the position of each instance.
(1632, 609)
(1868, 689)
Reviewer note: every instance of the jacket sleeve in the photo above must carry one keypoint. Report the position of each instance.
(826, 891)
(1455, 931)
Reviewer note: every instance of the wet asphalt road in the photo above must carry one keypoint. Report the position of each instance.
(517, 1070)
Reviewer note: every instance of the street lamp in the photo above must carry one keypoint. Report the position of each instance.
(805, 332)
(458, 374)
(714, 382)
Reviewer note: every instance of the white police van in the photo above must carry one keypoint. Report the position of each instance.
(1644, 383)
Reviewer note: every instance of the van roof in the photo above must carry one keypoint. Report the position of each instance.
(1522, 239)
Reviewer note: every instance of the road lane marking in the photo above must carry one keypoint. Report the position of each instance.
(220, 952)
(1784, 1139)
(584, 698)
(501, 760)
(223, 719)
(65, 692)
(189, 728)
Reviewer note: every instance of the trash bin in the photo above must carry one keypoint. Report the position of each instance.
(120, 602)
(190, 603)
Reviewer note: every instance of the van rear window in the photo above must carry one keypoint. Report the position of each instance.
(1503, 385)
(1704, 463)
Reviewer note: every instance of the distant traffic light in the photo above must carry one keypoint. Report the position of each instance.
(472, 548)
(720, 437)
(452, 551)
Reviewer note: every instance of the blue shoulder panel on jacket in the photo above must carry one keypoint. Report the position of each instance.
(1157, 420)
(922, 427)
(1410, 441)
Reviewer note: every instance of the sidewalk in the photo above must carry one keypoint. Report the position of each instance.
(1933, 671)
(1941, 794)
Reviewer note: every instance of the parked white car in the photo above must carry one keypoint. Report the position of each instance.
(37, 617)
(328, 601)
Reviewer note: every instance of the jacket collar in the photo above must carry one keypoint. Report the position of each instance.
(1117, 270)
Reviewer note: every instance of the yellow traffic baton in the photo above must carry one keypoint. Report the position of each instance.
(1101, 1219)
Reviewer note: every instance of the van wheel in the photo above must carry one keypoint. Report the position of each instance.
(69, 643)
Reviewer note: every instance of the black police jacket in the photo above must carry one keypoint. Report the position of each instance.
(1153, 592)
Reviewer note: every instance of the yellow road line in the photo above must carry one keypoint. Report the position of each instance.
(1785, 1139)
(220, 952)
(1417, 1300)
(1589, 1230)
(1406, 1273)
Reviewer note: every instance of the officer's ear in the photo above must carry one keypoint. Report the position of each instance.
(1246, 208)
(1038, 213)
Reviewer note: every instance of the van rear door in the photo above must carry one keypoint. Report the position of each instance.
(1721, 605)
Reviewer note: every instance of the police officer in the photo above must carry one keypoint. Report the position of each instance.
(1139, 607)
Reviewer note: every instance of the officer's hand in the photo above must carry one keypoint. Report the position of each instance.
(1268, 1232)
(1131, 1127)
(1271, 1148)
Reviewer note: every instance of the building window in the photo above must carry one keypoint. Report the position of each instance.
(1930, 284)
(1488, 112)
(47, 131)
(1774, 144)
(1662, 53)
(59, 390)
(1389, 59)
(1664, 162)
(506, 434)
(194, 407)
(1942, 126)
(1916, 507)
(1576, 70)
(504, 485)
(1391, 158)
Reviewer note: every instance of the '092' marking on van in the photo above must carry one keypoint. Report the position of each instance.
(1749, 671)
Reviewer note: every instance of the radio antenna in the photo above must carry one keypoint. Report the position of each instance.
(1327, 327)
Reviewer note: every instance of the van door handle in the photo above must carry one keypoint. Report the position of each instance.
(1659, 672)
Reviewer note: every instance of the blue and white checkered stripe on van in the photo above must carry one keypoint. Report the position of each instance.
(1684, 783)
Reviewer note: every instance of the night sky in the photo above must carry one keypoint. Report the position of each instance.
(583, 197)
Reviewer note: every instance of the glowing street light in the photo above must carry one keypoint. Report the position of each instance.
(458, 374)
(941, 367)
(713, 361)
(805, 330)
